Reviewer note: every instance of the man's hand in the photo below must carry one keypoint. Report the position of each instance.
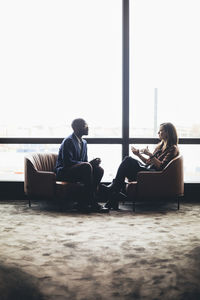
(95, 161)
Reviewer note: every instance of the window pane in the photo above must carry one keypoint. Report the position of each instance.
(165, 66)
(191, 163)
(12, 158)
(60, 60)
(111, 156)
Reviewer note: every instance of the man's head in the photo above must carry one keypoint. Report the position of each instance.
(80, 127)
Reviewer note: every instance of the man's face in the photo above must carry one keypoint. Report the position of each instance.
(83, 128)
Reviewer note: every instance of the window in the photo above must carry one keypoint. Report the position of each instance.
(164, 72)
(165, 66)
(110, 158)
(12, 159)
(60, 60)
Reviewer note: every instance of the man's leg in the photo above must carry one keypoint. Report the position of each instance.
(83, 172)
(97, 176)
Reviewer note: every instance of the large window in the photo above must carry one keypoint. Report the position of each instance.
(92, 58)
(59, 60)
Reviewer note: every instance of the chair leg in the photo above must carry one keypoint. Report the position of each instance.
(29, 202)
(134, 206)
(178, 203)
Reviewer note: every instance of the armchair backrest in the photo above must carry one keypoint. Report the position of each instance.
(39, 176)
(43, 161)
(174, 174)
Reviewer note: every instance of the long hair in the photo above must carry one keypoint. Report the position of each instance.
(172, 137)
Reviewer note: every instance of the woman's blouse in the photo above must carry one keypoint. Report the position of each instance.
(166, 156)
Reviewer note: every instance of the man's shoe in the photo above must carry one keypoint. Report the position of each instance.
(99, 209)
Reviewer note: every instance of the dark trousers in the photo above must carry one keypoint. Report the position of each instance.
(129, 168)
(84, 173)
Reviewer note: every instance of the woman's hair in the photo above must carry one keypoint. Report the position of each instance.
(170, 130)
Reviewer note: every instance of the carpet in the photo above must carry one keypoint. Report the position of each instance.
(54, 254)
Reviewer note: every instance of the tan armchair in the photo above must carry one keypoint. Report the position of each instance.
(40, 179)
(165, 184)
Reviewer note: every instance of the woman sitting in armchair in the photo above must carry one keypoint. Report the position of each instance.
(164, 152)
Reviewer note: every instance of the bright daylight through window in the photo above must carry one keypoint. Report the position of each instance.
(59, 60)
(63, 59)
(165, 71)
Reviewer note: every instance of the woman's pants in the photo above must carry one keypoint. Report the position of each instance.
(129, 168)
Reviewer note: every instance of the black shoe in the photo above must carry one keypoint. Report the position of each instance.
(110, 204)
(121, 197)
(113, 203)
(99, 208)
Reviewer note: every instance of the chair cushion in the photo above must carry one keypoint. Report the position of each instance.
(68, 190)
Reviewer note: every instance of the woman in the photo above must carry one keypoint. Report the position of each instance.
(165, 151)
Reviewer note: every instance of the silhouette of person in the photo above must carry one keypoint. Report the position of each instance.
(164, 152)
(72, 165)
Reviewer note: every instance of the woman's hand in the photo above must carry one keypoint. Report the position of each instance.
(148, 161)
(135, 151)
(146, 151)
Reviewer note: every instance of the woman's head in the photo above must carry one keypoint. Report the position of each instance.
(168, 134)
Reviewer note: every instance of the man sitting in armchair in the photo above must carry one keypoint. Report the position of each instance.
(72, 165)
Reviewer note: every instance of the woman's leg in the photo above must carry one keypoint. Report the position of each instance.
(129, 168)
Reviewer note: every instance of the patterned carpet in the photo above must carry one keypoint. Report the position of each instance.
(50, 253)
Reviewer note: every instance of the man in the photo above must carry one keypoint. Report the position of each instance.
(72, 165)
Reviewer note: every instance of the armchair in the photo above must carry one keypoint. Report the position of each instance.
(40, 179)
(165, 184)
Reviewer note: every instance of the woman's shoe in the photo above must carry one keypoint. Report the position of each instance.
(113, 203)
